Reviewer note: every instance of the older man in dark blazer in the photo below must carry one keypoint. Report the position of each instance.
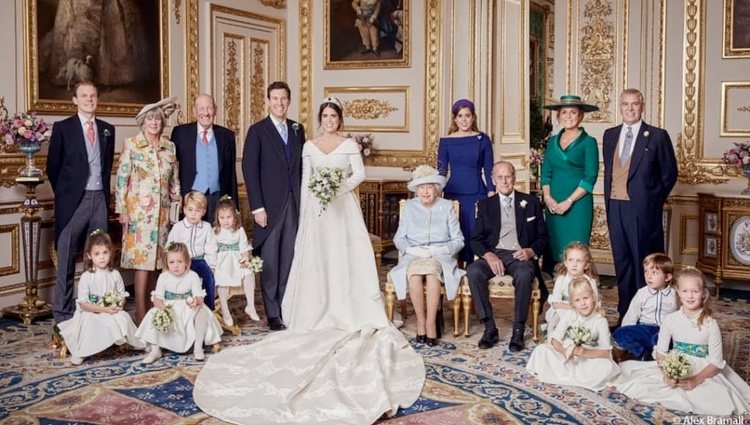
(640, 170)
(207, 154)
(509, 236)
(79, 165)
(272, 167)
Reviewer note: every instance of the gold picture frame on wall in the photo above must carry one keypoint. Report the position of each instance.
(735, 109)
(366, 34)
(121, 46)
(375, 109)
(736, 28)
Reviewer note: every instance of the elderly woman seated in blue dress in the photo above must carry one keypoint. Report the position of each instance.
(428, 239)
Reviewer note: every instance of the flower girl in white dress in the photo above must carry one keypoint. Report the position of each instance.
(99, 321)
(178, 291)
(711, 387)
(233, 259)
(577, 262)
(579, 351)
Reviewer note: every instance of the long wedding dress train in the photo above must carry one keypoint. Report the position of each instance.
(341, 360)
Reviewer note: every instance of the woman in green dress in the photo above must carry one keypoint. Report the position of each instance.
(569, 172)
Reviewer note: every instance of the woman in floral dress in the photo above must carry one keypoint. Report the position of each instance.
(146, 184)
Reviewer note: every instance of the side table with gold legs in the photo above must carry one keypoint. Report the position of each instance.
(32, 306)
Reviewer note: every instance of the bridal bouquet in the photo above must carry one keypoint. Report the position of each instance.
(254, 263)
(112, 298)
(675, 365)
(323, 185)
(163, 319)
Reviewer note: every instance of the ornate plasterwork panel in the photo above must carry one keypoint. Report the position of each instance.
(597, 52)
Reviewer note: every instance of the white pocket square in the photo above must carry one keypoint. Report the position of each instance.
(531, 219)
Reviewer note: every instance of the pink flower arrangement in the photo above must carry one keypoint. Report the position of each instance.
(365, 143)
(24, 126)
(536, 156)
(738, 156)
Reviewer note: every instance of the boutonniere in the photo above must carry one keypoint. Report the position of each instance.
(523, 203)
(646, 133)
(106, 133)
(295, 127)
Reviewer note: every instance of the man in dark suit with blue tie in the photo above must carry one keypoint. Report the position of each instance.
(207, 154)
(79, 165)
(272, 168)
(640, 170)
(509, 236)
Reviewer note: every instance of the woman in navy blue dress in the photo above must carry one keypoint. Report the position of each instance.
(465, 156)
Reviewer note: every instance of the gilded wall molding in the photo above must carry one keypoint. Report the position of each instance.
(14, 249)
(305, 64)
(736, 127)
(597, 58)
(684, 248)
(599, 230)
(693, 169)
(233, 54)
(278, 4)
(176, 6)
(192, 85)
(258, 82)
(368, 108)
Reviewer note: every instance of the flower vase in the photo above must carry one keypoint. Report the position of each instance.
(29, 148)
(745, 170)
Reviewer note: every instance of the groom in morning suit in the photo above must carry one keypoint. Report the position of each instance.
(272, 168)
(509, 237)
(79, 165)
(640, 170)
(207, 153)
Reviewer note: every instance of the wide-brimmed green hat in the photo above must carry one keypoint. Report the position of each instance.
(572, 100)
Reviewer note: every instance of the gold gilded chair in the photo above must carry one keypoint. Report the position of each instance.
(390, 289)
(502, 287)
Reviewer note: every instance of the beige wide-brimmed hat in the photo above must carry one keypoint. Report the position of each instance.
(167, 105)
(572, 100)
(424, 174)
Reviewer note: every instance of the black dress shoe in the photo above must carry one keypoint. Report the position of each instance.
(516, 341)
(365, 50)
(431, 342)
(275, 324)
(489, 339)
(421, 339)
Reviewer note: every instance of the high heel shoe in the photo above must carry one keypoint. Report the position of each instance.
(422, 339)
(431, 342)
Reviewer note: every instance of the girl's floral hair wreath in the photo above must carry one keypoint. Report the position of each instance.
(96, 232)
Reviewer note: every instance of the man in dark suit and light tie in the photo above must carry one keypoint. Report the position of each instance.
(79, 165)
(640, 170)
(509, 236)
(207, 154)
(272, 168)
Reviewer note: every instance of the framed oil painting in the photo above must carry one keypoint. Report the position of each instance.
(366, 34)
(736, 28)
(120, 45)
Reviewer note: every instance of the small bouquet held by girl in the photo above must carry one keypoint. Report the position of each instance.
(324, 183)
(579, 336)
(675, 365)
(235, 265)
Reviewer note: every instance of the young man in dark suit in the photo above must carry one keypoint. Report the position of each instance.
(509, 236)
(272, 168)
(207, 154)
(640, 169)
(79, 165)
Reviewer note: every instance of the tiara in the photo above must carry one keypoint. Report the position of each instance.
(331, 99)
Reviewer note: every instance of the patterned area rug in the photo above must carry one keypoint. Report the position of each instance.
(465, 385)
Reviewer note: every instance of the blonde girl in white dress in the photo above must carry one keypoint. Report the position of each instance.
(94, 327)
(232, 260)
(712, 387)
(577, 262)
(192, 323)
(587, 365)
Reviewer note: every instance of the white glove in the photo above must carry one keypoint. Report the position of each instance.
(418, 251)
(436, 250)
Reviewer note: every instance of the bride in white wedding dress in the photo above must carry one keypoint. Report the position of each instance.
(340, 361)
